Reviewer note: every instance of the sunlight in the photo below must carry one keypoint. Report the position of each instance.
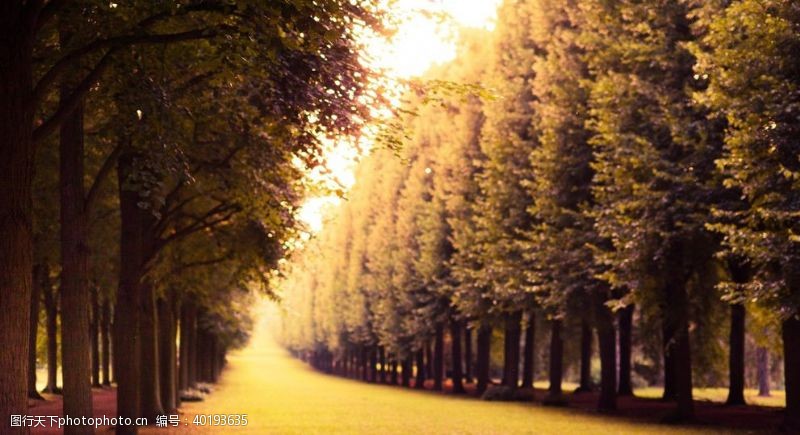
(426, 35)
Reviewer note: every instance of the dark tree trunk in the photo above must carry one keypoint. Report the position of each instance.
(606, 343)
(16, 175)
(455, 334)
(438, 358)
(394, 372)
(467, 354)
(75, 298)
(51, 327)
(192, 360)
(586, 357)
(373, 364)
(428, 359)
(419, 383)
(150, 388)
(511, 349)
(36, 290)
(128, 306)
(484, 351)
(668, 335)
(762, 361)
(791, 367)
(382, 358)
(677, 320)
(95, 334)
(556, 359)
(736, 356)
(625, 319)
(407, 368)
(529, 363)
(167, 353)
(105, 340)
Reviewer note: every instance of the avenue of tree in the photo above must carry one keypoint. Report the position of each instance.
(628, 169)
(152, 160)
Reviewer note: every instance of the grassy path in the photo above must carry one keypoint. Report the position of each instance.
(282, 396)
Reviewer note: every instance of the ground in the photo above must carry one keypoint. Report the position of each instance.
(281, 395)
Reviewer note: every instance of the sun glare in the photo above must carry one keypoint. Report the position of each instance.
(426, 35)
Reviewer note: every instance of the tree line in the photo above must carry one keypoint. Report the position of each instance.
(617, 163)
(153, 159)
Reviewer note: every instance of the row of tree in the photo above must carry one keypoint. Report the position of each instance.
(623, 154)
(152, 159)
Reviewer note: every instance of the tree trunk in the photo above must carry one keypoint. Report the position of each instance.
(382, 361)
(736, 356)
(16, 177)
(438, 358)
(467, 354)
(394, 372)
(556, 359)
(762, 359)
(529, 363)
(455, 334)
(428, 358)
(95, 337)
(36, 290)
(677, 319)
(606, 343)
(373, 363)
(167, 353)
(105, 340)
(625, 320)
(128, 306)
(484, 351)
(791, 367)
(75, 298)
(511, 349)
(51, 326)
(669, 364)
(419, 383)
(586, 357)
(150, 389)
(407, 367)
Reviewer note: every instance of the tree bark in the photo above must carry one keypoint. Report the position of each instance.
(438, 358)
(419, 383)
(606, 341)
(95, 337)
(736, 356)
(128, 306)
(373, 364)
(625, 320)
(51, 327)
(556, 359)
(484, 351)
(75, 297)
(529, 363)
(586, 357)
(455, 335)
(16, 178)
(150, 389)
(467, 354)
(167, 353)
(762, 361)
(407, 368)
(105, 340)
(511, 349)
(670, 392)
(382, 358)
(394, 371)
(791, 367)
(677, 320)
(36, 290)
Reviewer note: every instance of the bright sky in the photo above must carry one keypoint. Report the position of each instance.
(426, 35)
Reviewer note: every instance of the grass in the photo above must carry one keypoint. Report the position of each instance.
(719, 395)
(283, 396)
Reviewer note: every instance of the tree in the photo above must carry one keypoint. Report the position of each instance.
(747, 61)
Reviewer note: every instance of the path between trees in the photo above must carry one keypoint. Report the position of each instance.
(281, 395)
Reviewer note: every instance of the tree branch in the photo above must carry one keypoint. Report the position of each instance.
(204, 222)
(113, 44)
(101, 176)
